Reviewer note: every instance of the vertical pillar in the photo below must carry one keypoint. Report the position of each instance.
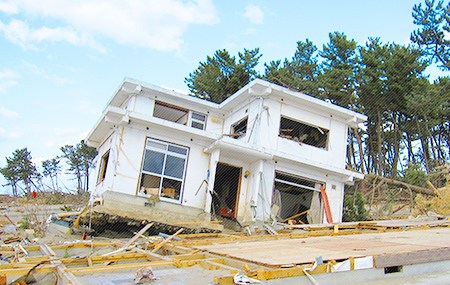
(213, 160)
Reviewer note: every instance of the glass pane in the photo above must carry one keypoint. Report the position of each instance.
(153, 161)
(174, 167)
(197, 125)
(154, 144)
(171, 189)
(177, 149)
(150, 185)
(198, 116)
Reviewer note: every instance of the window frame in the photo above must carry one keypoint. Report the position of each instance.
(195, 120)
(308, 129)
(163, 176)
(103, 167)
(233, 132)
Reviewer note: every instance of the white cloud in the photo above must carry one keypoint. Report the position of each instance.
(254, 14)
(4, 112)
(153, 24)
(8, 7)
(51, 77)
(11, 133)
(7, 79)
(20, 33)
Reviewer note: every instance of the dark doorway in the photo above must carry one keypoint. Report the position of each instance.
(226, 186)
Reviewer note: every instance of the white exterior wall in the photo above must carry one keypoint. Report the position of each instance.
(127, 146)
(142, 105)
(106, 184)
(125, 177)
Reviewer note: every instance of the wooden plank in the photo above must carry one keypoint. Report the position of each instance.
(326, 204)
(136, 236)
(211, 265)
(95, 269)
(413, 257)
(161, 244)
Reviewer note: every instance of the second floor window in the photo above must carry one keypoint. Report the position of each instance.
(239, 128)
(303, 133)
(197, 120)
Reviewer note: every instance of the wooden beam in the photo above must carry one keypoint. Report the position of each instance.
(161, 244)
(136, 236)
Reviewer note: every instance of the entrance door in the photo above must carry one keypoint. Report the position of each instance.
(226, 185)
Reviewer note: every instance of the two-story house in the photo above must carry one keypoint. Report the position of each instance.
(264, 152)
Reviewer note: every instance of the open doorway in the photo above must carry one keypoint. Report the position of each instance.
(296, 199)
(226, 185)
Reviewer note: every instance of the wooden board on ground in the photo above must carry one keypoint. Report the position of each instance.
(305, 250)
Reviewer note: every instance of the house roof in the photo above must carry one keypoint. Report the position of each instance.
(257, 88)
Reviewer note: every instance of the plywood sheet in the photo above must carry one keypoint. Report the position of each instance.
(305, 250)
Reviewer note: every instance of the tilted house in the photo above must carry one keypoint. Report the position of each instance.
(264, 152)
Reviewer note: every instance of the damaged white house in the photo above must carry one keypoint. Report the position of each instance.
(263, 153)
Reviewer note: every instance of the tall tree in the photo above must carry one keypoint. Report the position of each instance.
(87, 154)
(18, 168)
(221, 76)
(75, 164)
(300, 73)
(79, 158)
(52, 169)
(434, 22)
(338, 81)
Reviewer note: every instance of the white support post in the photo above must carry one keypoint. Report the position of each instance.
(213, 160)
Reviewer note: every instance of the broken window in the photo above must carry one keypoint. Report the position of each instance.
(303, 133)
(239, 128)
(163, 170)
(198, 120)
(170, 113)
(103, 166)
(296, 198)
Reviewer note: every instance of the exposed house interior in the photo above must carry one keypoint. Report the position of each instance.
(170, 113)
(303, 133)
(294, 197)
(226, 186)
(239, 128)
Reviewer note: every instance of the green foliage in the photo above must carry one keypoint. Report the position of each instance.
(221, 76)
(434, 22)
(79, 158)
(414, 175)
(338, 81)
(354, 209)
(52, 169)
(300, 73)
(25, 224)
(20, 168)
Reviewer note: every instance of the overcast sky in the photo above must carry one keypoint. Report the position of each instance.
(62, 60)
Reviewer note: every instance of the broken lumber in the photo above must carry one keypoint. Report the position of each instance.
(136, 236)
(294, 216)
(161, 244)
(412, 187)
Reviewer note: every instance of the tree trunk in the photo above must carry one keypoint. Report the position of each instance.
(361, 152)
(380, 155)
(396, 147)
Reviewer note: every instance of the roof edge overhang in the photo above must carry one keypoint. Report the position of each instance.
(259, 88)
(344, 175)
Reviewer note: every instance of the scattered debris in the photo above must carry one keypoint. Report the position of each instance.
(242, 280)
(144, 275)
